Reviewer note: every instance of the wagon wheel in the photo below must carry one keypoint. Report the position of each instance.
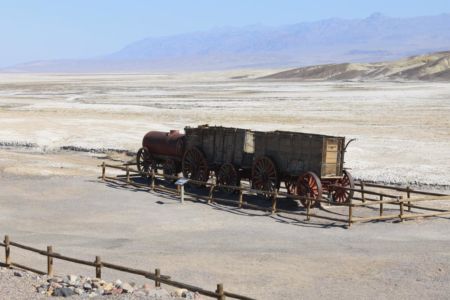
(169, 167)
(308, 185)
(290, 183)
(144, 161)
(264, 175)
(227, 175)
(342, 195)
(194, 165)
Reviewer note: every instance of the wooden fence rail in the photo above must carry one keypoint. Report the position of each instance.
(98, 264)
(378, 199)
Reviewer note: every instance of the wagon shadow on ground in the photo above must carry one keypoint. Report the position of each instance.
(283, 203)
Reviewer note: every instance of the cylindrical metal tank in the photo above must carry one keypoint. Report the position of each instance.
(164, 143)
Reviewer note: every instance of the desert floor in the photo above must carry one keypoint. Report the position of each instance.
(52, 196)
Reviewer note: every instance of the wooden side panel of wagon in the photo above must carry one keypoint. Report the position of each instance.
(219, 144)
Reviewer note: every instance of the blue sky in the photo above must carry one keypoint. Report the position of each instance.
(54, 29)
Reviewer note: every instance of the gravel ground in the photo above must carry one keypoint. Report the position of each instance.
(19, 285)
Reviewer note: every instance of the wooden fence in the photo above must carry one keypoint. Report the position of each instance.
(98, 264)
(365, 196)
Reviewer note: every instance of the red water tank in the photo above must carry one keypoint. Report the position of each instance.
(164, 143)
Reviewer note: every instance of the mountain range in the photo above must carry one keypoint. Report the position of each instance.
(430, 67)
(375, 38)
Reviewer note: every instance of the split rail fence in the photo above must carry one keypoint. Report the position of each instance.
(366, 195)
(98, 264)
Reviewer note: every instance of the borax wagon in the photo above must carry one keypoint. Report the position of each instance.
(308, 164)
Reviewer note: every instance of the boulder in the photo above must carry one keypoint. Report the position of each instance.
(63, 292)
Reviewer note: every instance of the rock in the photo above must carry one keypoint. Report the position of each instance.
(78, 291)
(197, 296)
(118, 283)
(127, 288)
(55, 285)
(108, 287)
(87, 286)
(57, 279)
(116, 291)
(100, 291)
(147, 286)
(63, 292)
(41, 290)
(96, 284)
(18, 274)
(181, 292)
(92, 295)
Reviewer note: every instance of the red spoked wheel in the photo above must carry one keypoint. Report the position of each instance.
(343, 195)
(228, 175)
(308, 185)
(144, 161)
(264, 175)
(290, 184)
(194, 165)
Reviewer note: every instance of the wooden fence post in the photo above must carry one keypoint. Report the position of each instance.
(153, 179)
(158, 275)
(350, 213)
(362, 191)
(274, 202)
(128, 174)
(381, 206)
(7, 251)
(182, 193)
(220, 292)
(211, 191)
(103, 170)
(308, 208)
(49, 261)
(241, 198)
(401, 208)
(408, 194)
(98, 267)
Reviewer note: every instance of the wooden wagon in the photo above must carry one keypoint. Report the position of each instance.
(308, 164)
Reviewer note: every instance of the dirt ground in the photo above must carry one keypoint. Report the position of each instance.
(52, 197)
(267, 257)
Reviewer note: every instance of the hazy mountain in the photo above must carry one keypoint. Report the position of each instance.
(371, 39)
(434, 66)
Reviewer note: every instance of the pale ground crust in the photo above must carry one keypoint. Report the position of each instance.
(52, 197)
(402, 129)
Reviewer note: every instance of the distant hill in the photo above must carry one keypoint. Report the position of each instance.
(376, 38)
(435, 66)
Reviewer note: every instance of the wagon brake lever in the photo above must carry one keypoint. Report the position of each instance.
(346, 145)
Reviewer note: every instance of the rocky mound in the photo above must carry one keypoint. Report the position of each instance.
(16, 284)
(435, 66)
